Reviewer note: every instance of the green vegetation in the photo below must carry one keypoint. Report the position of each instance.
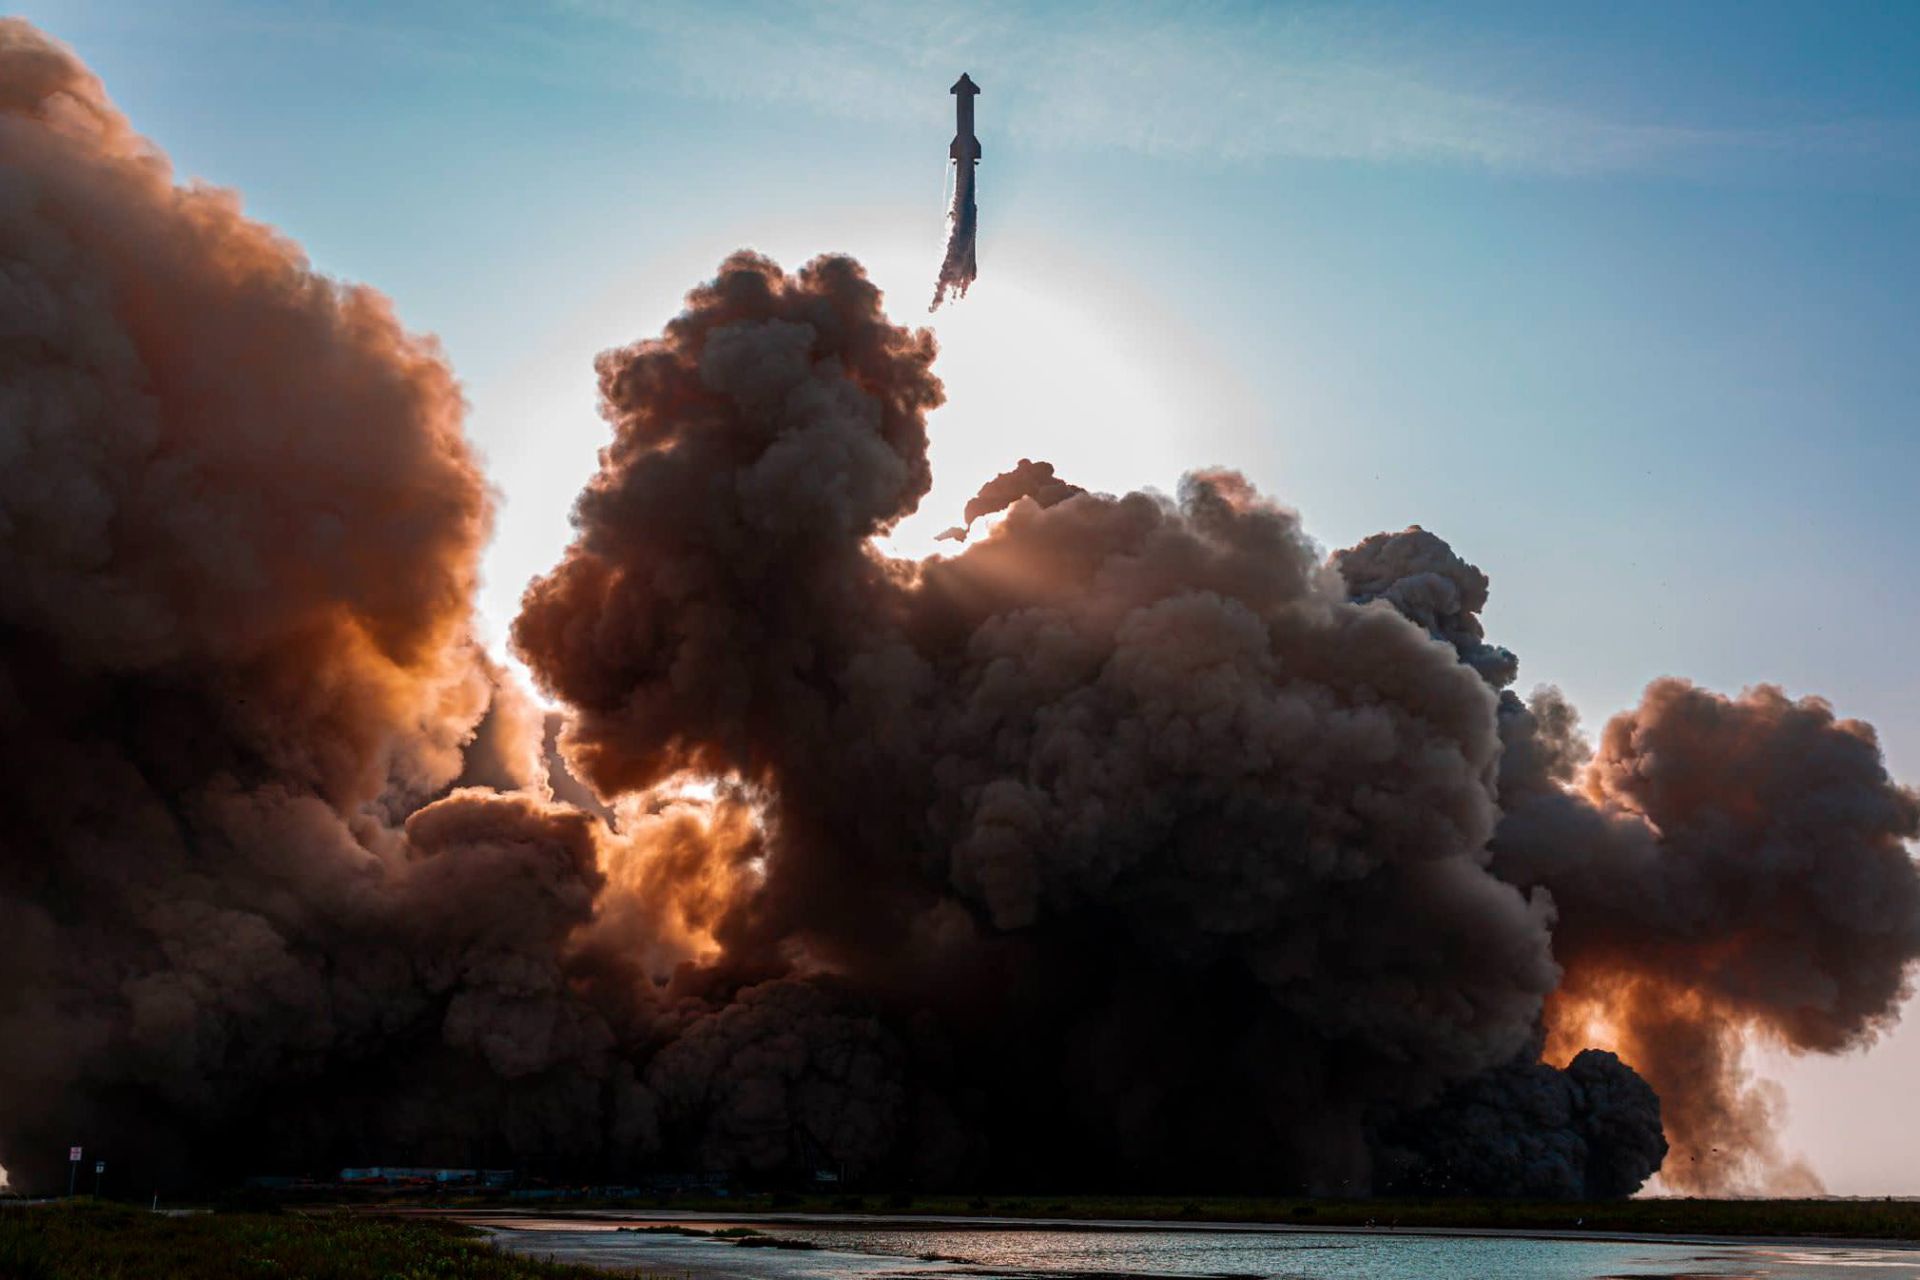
(108, 1242)
(1863, 1219)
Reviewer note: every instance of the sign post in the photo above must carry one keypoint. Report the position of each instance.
(73, 1169)
(99, 1167)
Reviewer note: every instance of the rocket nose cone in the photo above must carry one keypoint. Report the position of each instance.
(964, 84)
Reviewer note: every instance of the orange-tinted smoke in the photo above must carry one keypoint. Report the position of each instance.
(1135, 843)
(239, 531)
(1722, 1125)
(219, 457)
(1730, 868)
(1122, 795)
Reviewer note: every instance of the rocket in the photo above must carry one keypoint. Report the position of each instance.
(959, 269)
(966, 147)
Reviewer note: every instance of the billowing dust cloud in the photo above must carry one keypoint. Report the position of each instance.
(1136, 845)
(244, 920)
(1723, 868)
(1204, 856)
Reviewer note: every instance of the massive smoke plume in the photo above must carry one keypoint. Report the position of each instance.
(241, 920)
(1138, 844)
(1255, 854)
(1723, 867)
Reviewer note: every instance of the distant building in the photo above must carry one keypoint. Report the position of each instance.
(712, 1184)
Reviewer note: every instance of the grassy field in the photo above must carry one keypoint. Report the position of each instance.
(108, 1242)
(1866, 1219)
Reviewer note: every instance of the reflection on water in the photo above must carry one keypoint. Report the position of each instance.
(1020, 1254)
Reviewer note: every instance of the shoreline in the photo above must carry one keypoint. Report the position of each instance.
(500, 1220)
(1876, 1218)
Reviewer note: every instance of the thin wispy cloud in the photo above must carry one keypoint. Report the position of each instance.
(1216, 83)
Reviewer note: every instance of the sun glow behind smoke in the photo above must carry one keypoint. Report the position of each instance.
(1049, 357)
(689, 788)
(1052, 355)
(676, 853)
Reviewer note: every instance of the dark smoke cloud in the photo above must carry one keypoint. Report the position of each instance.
(1028, 479)
(1724, 866)
(1135, 845)
(1129, 798)
(1256, 871)
(239, 527)
(1590, 1132)
(1419, 574)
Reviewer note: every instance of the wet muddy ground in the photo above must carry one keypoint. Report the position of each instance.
(816, 1248)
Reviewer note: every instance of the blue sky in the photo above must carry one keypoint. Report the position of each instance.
(1621, 301)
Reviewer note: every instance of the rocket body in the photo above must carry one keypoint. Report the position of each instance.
(966, 147)
(959, 268)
